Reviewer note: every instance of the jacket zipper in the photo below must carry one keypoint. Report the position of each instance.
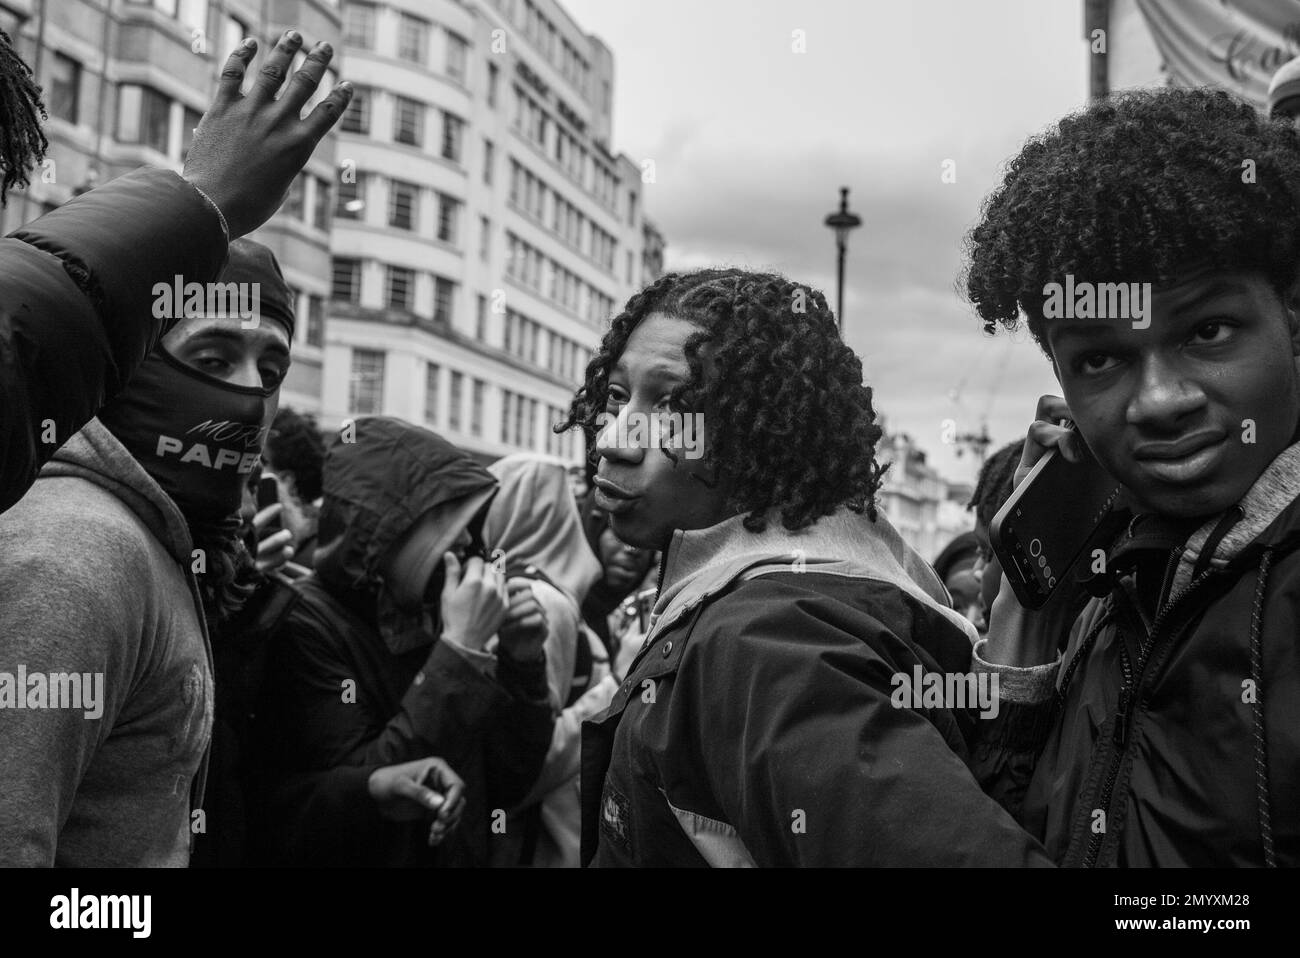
(1119, 735)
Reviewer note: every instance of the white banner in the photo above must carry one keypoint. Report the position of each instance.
(1236, 45)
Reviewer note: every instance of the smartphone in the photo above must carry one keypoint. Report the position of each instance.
(1050, 521)
(268, 494)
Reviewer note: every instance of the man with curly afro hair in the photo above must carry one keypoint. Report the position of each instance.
(767, 718)
(1165, 733)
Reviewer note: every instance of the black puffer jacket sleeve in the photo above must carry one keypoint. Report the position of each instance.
(76, 309)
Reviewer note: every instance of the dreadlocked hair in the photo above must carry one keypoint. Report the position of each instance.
(1139, 187)
(790, 422)
(994, 486)
(22, 142)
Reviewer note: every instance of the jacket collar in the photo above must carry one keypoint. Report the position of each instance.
(1277, 487)
(700, 563)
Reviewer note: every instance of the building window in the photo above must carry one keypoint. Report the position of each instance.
(191, 119)
(346, 283)
(233, 32)
(476, 408)
(448, 218)
(457, 54)
(194, 14)
(350, 198)
(366, 385)
(412, 38)
(489, 160)
(403, 199)
(315, 321)
(320, 210)
(480, 320)
(356, 118)
(401, 284)
(294, 203)
(359, 24)
(65, 88)
(493, 81)
(144, 116)
(431, 376)
(452, 128)
(484, 237)
(453, 408)
(408, 121)
(443, 292)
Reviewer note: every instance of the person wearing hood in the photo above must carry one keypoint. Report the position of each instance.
(77, 312)
(534, 526)
(109, 568)
(382, 661)
(761, 722)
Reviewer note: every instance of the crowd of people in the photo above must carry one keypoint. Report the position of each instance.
(366, 648)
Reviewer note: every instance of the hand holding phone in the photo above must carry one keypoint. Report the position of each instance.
(1063, 503)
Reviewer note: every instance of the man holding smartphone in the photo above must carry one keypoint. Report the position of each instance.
(1165, 732)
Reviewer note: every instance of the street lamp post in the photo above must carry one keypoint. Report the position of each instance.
(842, 221)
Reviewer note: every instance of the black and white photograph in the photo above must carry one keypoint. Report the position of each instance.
(576, 434)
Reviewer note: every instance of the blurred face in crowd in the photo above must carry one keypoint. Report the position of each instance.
(963, 584)
(412, 575)
(625, 565)
(646, 493)
(1188, 412)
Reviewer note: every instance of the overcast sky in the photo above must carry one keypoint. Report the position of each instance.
(751, 142)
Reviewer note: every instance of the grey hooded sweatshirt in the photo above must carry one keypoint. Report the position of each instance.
(105, 671)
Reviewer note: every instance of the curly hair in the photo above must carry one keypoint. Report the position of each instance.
(791, 424)
(294, 445)
(22, 142)
(994, 486)
(1138, 188)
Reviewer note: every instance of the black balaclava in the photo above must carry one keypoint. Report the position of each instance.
(197, 436)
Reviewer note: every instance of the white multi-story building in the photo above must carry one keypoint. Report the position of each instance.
(125, 83)
(484, 233)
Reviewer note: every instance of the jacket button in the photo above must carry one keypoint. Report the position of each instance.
(668, 647)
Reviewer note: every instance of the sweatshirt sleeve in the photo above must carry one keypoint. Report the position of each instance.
(809, 759)
(76, 314)
(1005, 749)
(50, 621)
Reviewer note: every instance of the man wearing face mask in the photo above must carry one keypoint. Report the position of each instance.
(107, 567)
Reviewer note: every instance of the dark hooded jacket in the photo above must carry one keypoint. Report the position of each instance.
(354, 683)
(76, 314)
(1168, 734)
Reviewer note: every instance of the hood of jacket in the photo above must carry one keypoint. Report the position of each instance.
(378, 481)
(1254, 521)
(534, 520)
(96, 455)
(700, 563)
